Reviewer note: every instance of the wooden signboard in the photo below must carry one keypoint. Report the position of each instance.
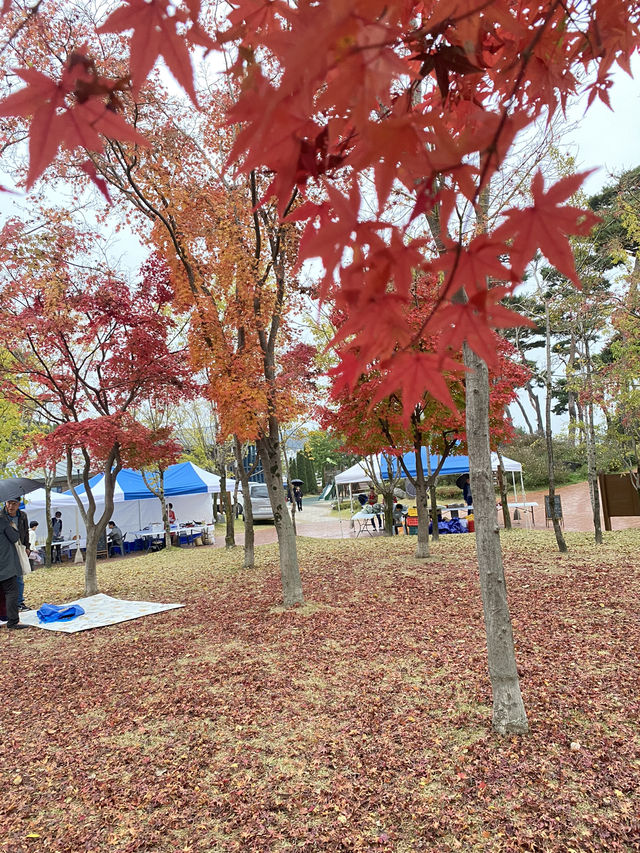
(557, 504)
(619, 497)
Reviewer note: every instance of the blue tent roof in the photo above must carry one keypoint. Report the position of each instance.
(184, 478)
(452, 464)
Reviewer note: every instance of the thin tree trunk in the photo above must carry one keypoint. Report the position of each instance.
(269, 450)
(249, 537)
(562, 545)
(90, 566)
(287, 471)
(592, 473)
(535, 402)
(504, 501)
(95, 529)
(47, 509)
(165, 516)
(422, 505)
(509, 715)
(435, 533)
(571, 395)
(525, 415)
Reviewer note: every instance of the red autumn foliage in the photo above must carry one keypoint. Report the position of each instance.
(82, 351)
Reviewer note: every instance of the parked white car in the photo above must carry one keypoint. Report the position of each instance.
(260, 503)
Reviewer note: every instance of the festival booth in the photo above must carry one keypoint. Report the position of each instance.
(387, 467)
(187, 486)
(455, 465)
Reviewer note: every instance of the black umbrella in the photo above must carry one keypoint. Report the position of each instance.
(298, 482)
(16, 487)
(461, 480)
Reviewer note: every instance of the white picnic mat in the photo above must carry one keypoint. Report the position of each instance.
(99, 610)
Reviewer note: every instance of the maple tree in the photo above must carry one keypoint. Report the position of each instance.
(84, 348)
(234, 269)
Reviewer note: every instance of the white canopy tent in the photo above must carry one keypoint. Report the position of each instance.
(358, 473)
(187, 486)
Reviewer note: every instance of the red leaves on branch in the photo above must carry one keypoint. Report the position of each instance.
(73, 112)
(546, 224)
(426, 101)
(158, 34)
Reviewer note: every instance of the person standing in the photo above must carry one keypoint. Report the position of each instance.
(35, 556)
(14, 528)
(56, 527)
(297, 493)
(398, 514)
(466, 490)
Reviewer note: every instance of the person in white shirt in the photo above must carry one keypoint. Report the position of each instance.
(35, 556)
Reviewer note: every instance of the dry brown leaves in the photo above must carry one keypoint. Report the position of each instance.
(359, 722)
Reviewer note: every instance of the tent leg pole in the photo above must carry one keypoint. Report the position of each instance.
(524, 494)
(335, 486)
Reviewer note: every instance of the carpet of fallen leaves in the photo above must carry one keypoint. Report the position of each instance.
(358, 722)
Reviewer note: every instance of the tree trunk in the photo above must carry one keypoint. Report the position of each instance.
(90, 565)
(225, 499)
(509, 715)
(562, 545)
(571, 395)
(504, 501)
(165, 516)
(525, 415)
(47, 509)
(422, 505)
(229, 521)
(290, 488)
(249, 538)
(535, 402)
(95, 529)
(269, 450)
(435, 533)
(592, 473)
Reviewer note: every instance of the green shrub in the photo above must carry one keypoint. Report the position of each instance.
(570, 463)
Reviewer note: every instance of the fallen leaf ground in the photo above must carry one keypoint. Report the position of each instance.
(359, 722)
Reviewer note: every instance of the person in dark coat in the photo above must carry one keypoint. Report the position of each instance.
(56, 529)
(14, 527)
(297, 494)
(466, 490)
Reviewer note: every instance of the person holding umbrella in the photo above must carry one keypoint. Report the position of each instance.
(297, 493)
(14, 529)
(13, 525)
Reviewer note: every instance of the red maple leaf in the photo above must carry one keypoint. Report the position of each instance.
(155, 34)
(413, 374)
(61, 117)
(546, 225)
(470, 266)
(474, 320)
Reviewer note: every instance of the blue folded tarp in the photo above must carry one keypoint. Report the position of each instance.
(456, 525)
(56, 612)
